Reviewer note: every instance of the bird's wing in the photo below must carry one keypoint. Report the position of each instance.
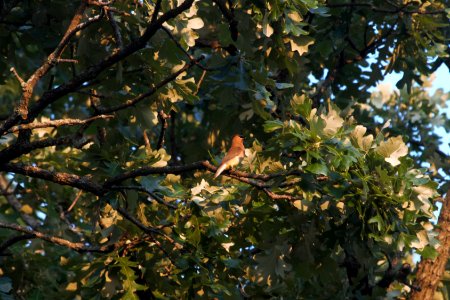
(232, 153)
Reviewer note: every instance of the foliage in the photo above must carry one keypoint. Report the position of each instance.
(338, 184)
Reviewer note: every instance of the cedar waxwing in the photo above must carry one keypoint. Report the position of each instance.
(234, 156)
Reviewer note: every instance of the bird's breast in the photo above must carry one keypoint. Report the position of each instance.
(234, 161)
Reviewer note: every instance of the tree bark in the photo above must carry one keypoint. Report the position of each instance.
(429, 271)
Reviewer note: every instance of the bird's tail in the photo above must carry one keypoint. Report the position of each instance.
(220, 169)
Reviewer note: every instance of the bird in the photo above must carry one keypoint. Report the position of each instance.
(234, 155)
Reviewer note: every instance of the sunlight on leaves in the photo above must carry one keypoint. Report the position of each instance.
(392, 149)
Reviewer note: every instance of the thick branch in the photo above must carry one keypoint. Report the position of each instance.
(28, 87)
(156, 11)
(92, 72)
(229, 15)
(144, 171)
(57, 123)
(80, 247)
(20, 148)
(80, 182)
(430, 272)
(85, 183)
(199, 165)
(8, 243)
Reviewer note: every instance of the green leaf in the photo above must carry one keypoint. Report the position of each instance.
(271, 126)
(318, 168)
(392, 150)
(378, 220)
(301, 44)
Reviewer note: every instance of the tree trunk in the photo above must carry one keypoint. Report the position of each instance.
(429, 271)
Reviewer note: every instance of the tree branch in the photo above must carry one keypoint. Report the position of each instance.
(8, 243)
(200, 165)
(21, 81)
(23, 146)
(275, 196)
(430, 272)
(80, 182)
(146, 229)
(77, 197)
(229, 15)
(52, 59)
(156, 11)
(162, 117)
(51, 96)
(170, 35)
(80, 247)
(57, 123)
(85, 183)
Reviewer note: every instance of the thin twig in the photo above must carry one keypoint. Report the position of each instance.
(21, 81)
(162, 117)
(148, 147)
(200, 81)
(173, 146)
(67, 60)
(70, 225)
(72, 53)
(91, 94)
(118, 11)
(75, 200)
(144, 228)
(167, 31)
(275, 196)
